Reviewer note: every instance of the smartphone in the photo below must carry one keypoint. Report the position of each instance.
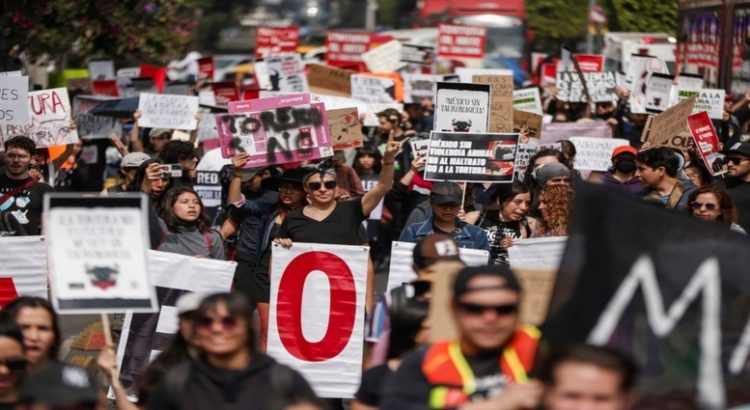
(172, 170)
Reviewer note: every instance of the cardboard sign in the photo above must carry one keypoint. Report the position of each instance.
(459, 41)
(590, 62)
(14, 100)
(384, 58)
(206, 69)
(90, 126)
(328, 80)
(595, 154)
(558, 131)
(23, 268)
(105, 87)
(316, 321)
(461, 107)
(706, 141)
(345, 49)
(346, 129)
(96, 248)
(272, 41)
(658, 92)
(533, 123)
(636, 79)
(528, 100)
(101, 70)
(471, 157)
(417, 54)
(601, 87)
(275, 130)
(168, 111)
(669, 128)
(373, 89)
(287, 74)
(501, 101)
(51, 119)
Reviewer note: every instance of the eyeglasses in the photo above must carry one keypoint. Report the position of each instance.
(476, 309)
(226, 322)
(698, 205)
(314, 186)
(735, 160)
(14, 364)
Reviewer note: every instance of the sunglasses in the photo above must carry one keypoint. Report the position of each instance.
(14, 365)
(500, 310)
(698, 205)
(314, 186)
(226, 322)
(735, 160)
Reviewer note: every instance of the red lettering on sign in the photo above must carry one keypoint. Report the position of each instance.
(340, 318)
(8, 291)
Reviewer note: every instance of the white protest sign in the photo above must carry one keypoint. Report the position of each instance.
(316, 322)
(129, 72)
(402, 257)
(658, 92)
(168, 111)
(600, 85)
(384, 58)
(465, 74)
(50, 119)
(368, 111)
(23, 268)
(523, 156)
(207, 127)
(595, 154)
(537, 253)
(16, 73)
(373, 89)
(637, 76)
(528, 100)
(14, 105)
(711, 101)
(102, 70)
(286, 74)
(687, 85)
(207, 97)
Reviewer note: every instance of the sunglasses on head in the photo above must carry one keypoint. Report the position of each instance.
(314, 186)
(226, 322)
(476, 309)
(15, 364)
(698, 205)
(734, 160)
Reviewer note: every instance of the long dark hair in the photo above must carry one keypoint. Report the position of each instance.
(203, 223)
(13, 309)
(406, 322)
(237, 305)
(502, 195)
(175, 353)
(373, 152)
(10, 329)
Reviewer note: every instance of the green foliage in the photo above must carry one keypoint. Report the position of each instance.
(395, 13)
(555, 23)
(642, 16)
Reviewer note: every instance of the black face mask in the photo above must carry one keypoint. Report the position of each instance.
(625, 165)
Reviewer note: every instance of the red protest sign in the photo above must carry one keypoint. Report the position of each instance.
(206, 68)
(272, 41)
(225, 91)
(345, 49)
(706, 141)
(8, 292)
(105, 87)
(156, 73)
(459, 41)
(590, 62)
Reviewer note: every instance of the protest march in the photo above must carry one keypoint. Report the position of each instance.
(396, 219)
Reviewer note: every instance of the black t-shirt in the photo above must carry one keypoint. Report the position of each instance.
(341, 227)
(25, 207)
(741, 196)
(496, 231)
(371, 388)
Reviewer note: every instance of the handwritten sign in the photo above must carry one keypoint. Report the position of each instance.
(373, 89)
(533, 123)
(670, 127)
(51, 119)
(459, 41)
(327, 80)
(14, 105)
(168, 111)
(501, 101)
(595, 154)
(601, 86)
(346, 129)
(417, 54)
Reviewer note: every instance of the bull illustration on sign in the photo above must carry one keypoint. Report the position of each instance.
(102, 277)
(461, 125)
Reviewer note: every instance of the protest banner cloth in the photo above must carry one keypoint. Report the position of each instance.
(560, 131)
(345, 49)
(461, 41)
(706, 141)
(156, 73)
(528, 100)
(373, 89)
(417, 54)
(327, 80)
(23, 268)
(101, 70)
(384, 58)
(96, 248)
(601, 86)
(595, 154)
(658, 92)
(287, 73)
(636, 79)
(206, 69)
(471, 157)
(90, 126)
(275, 130)
(316, 320)
(533, 123)
(402, 257)
(669, 128)
(225, 92)
(661, 287)
(467, 74)
(145, 335)
(168, 111)
(346, 129)
(461, 107)
(501, 101)
(590, 62)
(272, 41)
(14, 100)
(50, 119)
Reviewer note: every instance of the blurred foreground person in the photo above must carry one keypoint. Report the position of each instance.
(57, 386)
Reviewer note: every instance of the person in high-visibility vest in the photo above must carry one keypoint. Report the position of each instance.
(487, 366)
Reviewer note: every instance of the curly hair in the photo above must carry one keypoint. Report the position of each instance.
(728, 214)
(176, 151)
(558, 204)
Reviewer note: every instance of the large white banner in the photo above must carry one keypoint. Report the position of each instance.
(316, 323)
(23, 268)
(537, 253)
(168, 111)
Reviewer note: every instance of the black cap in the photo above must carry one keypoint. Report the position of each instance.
(461, 284)
(435, 247)
(293, 175)
(58, 384)
(742, 148)
(446, 192)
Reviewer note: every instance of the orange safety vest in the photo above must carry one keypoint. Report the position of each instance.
(452, 379)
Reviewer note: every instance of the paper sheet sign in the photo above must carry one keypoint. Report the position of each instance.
(287, 73)
(595, 154)
(14, 105)
(316, 322)
(461, 107)
(373, 89)
(168, 111)
(346, 129)
(528, 99)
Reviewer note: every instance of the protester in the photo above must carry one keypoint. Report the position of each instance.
(552, 174)
(542, 157)
(696, 173)
(181, 153)
(485, 309)
(622, 174)
(367, 165)
(21, 196)
(157, 140)
(13, 364)
(657, 169)
(713, 204)
(349, 186)
(60, 386)
(737, 158)
(151, 179)
(41, 330)
(128, 168)
(555, 206)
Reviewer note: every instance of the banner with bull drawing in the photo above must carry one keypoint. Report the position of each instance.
(472, 157)
(462, 107)
(50, 119)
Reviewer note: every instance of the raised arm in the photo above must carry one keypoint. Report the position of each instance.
(235, 187)
(371, 199)
(135, 134)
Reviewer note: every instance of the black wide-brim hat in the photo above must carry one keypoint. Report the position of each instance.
(293, 175)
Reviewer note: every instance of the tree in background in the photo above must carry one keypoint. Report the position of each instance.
(396, 13)
(641, 16)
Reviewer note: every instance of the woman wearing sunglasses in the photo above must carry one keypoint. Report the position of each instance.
(713, 204)
(13, 364)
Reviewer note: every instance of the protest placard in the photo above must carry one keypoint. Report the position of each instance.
(528, 100)
(23, 268)
(417, 54)
(346, 129)
(658, 92)
(418, 87)
(101, 70)
(156, 73)
(462, 107)
(272, 41)
(687, 86)
(419, 147)
(595, 154)
(92, 126)
(145, 335)
(706, 142)
(559, 131)
(168, 111)
(206, 69)
(711, 101)
(384, 58)
(501, 101)
(373, 89)
(590, 62)
(533, 123)
(523, 156)
(275, 130)
(207, 127)
(316, 320)
(14, 100)
(601, 86)
(287, 73)
(50, 119)
(327, 80)
(225, 92)
(105, 87)
(472, 157)
(129, 72)
(636, 79)
(467, 74)
(461, 41)
(345, 49)
(402, 257)
(669, 128)
(96, 248)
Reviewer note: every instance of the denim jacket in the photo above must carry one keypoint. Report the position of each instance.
(467, 236)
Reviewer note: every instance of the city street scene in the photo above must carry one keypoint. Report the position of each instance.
(375, 204)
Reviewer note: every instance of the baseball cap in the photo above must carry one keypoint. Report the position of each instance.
(624, 149)
(58, 384)
(134, 160)
(446, 192)
(461, 284)
(155, 132)
(189, 302)
(435, 247)
(742, 148)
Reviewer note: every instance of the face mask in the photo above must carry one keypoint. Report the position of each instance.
(625, 165)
